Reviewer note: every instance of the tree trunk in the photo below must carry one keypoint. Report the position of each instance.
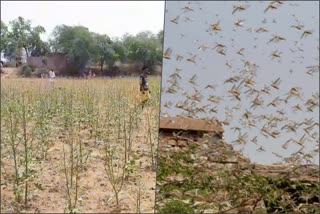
(101, 64)
(110, 65)
(26, 50)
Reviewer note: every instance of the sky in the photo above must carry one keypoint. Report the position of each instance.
(192, 29)
(114, 18)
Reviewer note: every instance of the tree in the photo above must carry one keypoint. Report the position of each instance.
(42, 49)
(4, 36)
(8, 46)
(160, 36)
(25, 36)
(145, 48)
(103, 48)
(11, 50)
(77, 42)
(108, 51)
(119, 53)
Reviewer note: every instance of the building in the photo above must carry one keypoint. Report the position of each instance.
(190, 127)
(55, 61)
(190, 124)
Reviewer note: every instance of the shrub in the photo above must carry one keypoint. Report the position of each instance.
(26, 71)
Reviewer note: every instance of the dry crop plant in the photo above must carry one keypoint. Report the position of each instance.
(122, 117)
(139, 195)
(31, 119)
(77, 118)
(152, 123)
(126, 119)
(65, 123)
(71, 163)
(43, 124)
(18, 142)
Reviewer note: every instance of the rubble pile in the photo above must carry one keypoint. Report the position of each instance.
(198, 172)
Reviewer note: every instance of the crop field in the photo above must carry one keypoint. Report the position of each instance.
(78, 145)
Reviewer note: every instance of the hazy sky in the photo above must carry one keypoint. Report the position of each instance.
(113, 18)
(192, 30)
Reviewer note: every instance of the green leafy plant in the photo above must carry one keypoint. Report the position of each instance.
(176, 206)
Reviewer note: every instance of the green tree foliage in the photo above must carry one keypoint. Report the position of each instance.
(145, 47)
(103, 49)
(42, 49)
(11, 50)
(119, 53)
(23, 35)
(160, 36)
(76, 41)
(8, 46)
(84, 48)
(4, 36)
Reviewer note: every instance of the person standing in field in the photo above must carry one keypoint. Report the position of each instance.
(144, 87)
(52, 76)
(90, 74)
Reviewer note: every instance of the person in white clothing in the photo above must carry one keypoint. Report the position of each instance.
(52, 74)
(52, 77)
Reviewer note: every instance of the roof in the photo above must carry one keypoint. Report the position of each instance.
(191, 124)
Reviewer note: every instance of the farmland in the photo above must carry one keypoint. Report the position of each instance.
(78, 145)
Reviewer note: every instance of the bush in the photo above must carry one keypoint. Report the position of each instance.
(26, 71)
(176, 206)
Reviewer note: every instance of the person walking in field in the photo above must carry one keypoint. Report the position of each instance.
(144, 87)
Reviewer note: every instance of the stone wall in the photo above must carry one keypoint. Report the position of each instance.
(36, 61)
(57, 62)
